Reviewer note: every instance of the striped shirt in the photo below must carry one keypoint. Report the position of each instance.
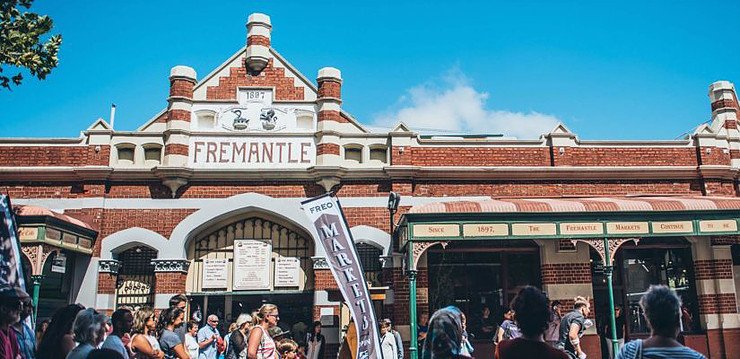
(629, 351)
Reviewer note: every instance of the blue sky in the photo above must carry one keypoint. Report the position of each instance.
(639, 70)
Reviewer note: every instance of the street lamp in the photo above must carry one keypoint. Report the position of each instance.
(393, 200)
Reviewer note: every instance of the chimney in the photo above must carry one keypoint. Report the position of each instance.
(182, 82)
(112, 115)
(258, 41)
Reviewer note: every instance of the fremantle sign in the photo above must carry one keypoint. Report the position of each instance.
(251, 152)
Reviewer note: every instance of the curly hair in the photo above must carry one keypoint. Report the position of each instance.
(140, 318)
(530, 311)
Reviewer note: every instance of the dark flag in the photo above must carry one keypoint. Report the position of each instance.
(11, 270)
(326, 215)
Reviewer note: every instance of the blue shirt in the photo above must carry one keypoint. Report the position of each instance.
(115, 343)
(210, 351)
(630, 350)
(26, 341)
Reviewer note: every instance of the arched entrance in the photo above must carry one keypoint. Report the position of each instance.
(242, 262)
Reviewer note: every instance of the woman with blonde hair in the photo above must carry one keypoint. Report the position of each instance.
(260, 344)
(143, 342)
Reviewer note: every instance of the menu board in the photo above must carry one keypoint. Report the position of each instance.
(252, 259)
(287, 272)
(215, 273)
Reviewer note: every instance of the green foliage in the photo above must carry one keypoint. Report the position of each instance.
(20, 44)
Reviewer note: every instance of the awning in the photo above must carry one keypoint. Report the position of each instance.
(41, 225)
(570, 218)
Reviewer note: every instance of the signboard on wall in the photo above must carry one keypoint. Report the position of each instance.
(251, 152)
(59, 263)
(215, 273)
(287, 272)
(252, 262)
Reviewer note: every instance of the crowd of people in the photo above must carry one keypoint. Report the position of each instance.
(76, 332)
(534, 327)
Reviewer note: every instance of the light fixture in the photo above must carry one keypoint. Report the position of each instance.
(393, 200)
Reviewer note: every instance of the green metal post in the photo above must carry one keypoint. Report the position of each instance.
(36, 289)
(413, 352)
(608, 270)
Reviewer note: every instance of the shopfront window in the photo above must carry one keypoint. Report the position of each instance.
(673, 267)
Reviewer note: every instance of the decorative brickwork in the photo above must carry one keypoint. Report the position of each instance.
(717, 303)
(713, 156)
(181, 87)
(270, 76)
(324, 280)
(258, 40)
(180, 115)
(729, 103)
(327, 149)
(566, 273)
(711, 269)
(330, 88)
(335, 116)
(175, 149)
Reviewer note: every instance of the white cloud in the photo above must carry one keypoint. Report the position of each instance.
(457, 107)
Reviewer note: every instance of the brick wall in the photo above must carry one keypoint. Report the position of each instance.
(717, 303)
(43, 156)
(723, 343)
(555, 188)
(324, 280)
(479, 156)
(170, 282)
(711, 269)
(107, 283)
(713, 156)
(725, 240)
(566, 273)
(269, 77)
(327, 149)
(600, 156)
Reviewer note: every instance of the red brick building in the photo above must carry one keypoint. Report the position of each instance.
(204, 197)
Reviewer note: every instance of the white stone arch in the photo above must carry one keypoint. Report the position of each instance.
(132, 237)
(283, 208)
(373, 236)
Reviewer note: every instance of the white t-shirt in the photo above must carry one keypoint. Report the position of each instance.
(191, 345)
(388, 346)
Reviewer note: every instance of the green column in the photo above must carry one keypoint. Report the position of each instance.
(608, 271)
(413, 353)
(36, 289)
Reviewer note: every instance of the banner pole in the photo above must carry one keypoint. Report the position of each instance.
(413, 348)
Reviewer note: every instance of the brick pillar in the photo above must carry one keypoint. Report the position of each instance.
(715, 286)
(566, 274)
(107, 280)
(179, 112)
(170, 278)
(723, 98)
(258, 42)
(328, 150)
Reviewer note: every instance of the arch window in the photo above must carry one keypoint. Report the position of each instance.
(379, 153)
(152, 154)
(353, 153)
(125, 153)
(136, 281)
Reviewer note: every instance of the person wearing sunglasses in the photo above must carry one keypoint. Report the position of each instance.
(11, 305)
(261, 345)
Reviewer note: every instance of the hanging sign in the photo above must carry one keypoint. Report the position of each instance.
(252, 259)
(11, 272)
(334, 235)
(287, 272)
(215, 273)
(59, 263)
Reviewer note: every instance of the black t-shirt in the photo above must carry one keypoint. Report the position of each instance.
(620, 327)
(573, 317)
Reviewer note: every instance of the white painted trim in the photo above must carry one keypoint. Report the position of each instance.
(129, 238)
(207, 216)
(371, 235)
(162, 301)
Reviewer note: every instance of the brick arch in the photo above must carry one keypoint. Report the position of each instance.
(285, 209)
